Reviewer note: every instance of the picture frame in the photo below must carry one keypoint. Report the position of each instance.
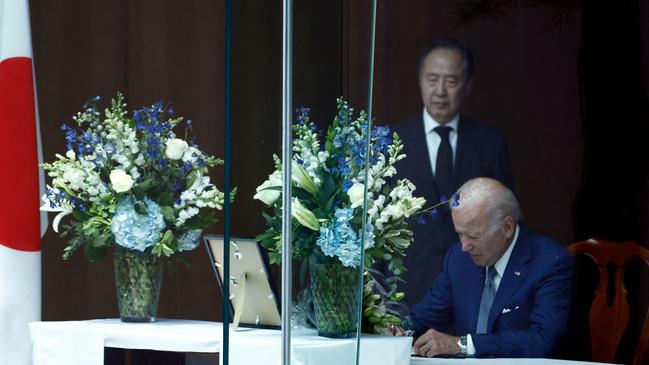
(253, 297)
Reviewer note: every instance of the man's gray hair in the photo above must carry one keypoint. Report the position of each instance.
(499, 202)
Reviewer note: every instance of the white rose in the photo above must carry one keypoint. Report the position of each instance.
(269, 196)
(356, 193)
(121, 180)
(175, 148)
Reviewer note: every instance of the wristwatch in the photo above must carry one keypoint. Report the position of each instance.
(462, 344)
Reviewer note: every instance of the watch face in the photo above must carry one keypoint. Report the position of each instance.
(463, 341)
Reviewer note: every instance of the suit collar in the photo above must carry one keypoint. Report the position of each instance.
(514, 275)
(501, 264)
(430, 123)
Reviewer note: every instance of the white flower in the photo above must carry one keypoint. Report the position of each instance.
(139, 160)
(376, 205)
(175, 148)
(356, 193)
(266, 195)
(121, 180)
(303, 179)
(70, 154)
(304, 216)
(64, 207)
(191, 154)
(74, 176)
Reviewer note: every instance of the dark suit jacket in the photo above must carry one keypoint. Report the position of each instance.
(481, 151)
(534, 293)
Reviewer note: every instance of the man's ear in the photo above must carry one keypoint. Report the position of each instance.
(509, 226)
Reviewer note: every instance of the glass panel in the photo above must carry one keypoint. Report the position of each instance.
(255, 137)
(330, 73)
(329, 149)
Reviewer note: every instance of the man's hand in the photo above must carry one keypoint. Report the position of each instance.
(434, 343)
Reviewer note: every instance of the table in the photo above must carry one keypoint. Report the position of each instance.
(82, 343)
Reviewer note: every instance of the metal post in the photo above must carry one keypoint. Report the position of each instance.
(226, 183)
(361, 268)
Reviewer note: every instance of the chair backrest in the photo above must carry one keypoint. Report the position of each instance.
(608, 323)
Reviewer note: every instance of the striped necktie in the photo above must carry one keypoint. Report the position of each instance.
(488, 295)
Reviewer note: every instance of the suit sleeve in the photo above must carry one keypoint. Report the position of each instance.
(547, 322)
(436, 309)
(502, 165)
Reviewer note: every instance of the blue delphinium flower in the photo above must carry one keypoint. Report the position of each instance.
(302, 115)
(137, 231)
(189, 240)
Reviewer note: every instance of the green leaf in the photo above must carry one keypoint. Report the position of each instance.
(138, 193)
(95, 253)
(264, 236)
(166, 198)
(399, 242)
(140, 207)
(198, 222)
(168, 213)
(79, 215)
(99, 241)
(167, 237)
(147, 184)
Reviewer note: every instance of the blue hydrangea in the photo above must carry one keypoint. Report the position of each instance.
(137, 231)
(340, 240)
(189, 240)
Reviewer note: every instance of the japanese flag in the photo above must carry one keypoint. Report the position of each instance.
(21, 185)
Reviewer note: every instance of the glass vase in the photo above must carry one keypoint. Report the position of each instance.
(137, 279)
(334, 288)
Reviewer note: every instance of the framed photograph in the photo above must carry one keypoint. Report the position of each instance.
(253, 298)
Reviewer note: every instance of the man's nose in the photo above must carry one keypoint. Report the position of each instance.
(440, 89)
(465, 246)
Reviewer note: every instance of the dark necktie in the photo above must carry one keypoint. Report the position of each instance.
(444, 163)
(488, 295)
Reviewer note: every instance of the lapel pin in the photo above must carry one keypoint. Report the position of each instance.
(517, 273)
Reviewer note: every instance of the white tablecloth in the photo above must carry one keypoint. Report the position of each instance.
(256, 346)
(83, 342)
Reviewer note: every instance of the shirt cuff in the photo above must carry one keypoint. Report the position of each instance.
(470, 349)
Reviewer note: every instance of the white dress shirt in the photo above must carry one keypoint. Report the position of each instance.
(500, 267)
(433, 139)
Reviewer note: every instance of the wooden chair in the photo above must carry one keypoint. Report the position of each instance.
(608, 322)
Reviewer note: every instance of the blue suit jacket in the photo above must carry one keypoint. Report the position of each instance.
(481, 152)
(534, 292)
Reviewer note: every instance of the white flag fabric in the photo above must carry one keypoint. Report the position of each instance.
(21, 185)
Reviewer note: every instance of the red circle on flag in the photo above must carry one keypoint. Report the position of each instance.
(19, 214)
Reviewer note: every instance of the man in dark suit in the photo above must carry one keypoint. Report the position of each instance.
(444, 149)
(506, 289)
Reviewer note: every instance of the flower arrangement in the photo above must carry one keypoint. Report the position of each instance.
(132, 181)
(328, 181)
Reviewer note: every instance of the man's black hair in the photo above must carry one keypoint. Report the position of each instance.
(450, 44)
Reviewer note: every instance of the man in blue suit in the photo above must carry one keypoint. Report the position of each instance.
(506, 289)
(444, 149)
